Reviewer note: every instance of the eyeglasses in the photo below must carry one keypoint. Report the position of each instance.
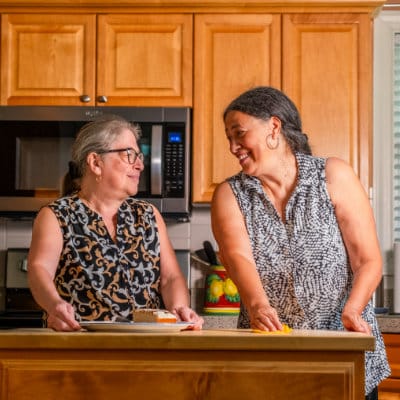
(132, 155)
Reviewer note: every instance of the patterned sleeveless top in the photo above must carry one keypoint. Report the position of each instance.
(303, 263)
(101, 278)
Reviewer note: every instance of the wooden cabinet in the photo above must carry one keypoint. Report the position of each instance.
(232, 54)
(322, 61)
(47, 59)
(327, 72)
(111, 59)
(225, 364)
(201, 55)
(389, 389)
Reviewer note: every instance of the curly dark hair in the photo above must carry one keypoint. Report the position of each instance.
(263, 102)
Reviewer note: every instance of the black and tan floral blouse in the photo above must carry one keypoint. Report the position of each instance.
(103, 278)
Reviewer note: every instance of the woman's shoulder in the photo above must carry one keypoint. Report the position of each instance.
(139, 204)
(63, 203)
(139, 207)
(337, 168)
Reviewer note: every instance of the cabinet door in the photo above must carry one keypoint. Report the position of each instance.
(327, 72)
(389, 389)
(47, 59)
(145, 59)
(232, 54)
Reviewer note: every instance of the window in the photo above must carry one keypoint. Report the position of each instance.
(386, 179)
(396, 134)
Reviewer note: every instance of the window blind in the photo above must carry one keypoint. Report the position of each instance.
(396, 135)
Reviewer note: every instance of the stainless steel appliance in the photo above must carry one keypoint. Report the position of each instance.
(18, 308)
(35, 150)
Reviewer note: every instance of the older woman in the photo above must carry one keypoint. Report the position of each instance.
(296, 232)
(97, 253)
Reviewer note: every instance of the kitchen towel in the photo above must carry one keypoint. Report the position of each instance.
(396, 277)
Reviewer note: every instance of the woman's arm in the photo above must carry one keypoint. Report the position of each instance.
(235, 251)
(357, 225)
(174, 290)
(44, 254)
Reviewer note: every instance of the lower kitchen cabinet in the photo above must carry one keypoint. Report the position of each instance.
(389, 389)
(209, 364)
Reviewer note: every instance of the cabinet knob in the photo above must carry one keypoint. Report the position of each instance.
(84, 98)
(102, 99)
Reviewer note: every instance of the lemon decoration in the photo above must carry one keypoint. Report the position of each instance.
(215, 291)
(212, 277)
(231, 291)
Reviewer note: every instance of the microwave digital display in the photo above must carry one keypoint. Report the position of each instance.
(175, 137)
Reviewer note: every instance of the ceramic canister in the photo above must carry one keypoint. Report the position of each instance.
(221, 294)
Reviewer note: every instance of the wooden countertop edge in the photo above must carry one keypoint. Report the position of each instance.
(213, 340)
(164, 6)
(188, 3)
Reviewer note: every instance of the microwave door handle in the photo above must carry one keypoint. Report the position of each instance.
(156, 153)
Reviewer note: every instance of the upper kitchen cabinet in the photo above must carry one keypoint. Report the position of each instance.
(145, 59)
(47, 59)
(232, 54)
(88, 59)
(327, 72)
(322, 61)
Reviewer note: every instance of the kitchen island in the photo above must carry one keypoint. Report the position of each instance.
(208, 364)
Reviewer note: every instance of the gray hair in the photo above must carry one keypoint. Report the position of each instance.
(94, 137)
(264, 102)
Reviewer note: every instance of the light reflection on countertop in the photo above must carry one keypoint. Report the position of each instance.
(388, 323)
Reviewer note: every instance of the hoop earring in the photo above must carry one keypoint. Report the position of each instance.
(270, 142)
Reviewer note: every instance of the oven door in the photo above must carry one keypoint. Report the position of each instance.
(20, 310)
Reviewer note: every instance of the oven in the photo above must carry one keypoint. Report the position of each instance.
(36, 148)
(18, 308)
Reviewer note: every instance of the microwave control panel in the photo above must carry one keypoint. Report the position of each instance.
(174, 160)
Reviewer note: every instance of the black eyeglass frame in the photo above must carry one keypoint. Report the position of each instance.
(131, 153)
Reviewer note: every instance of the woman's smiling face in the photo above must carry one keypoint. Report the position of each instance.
(118, 174)
(247, 139)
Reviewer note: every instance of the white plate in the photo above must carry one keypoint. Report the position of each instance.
(108, 326)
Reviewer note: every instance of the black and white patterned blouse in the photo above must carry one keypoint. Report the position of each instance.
(303, 263)
(101, 278)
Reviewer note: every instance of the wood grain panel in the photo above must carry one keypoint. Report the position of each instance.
(232, 54)
(327, 73)
(389, 389)
(155, 379)
(47, 60)
(145, 59)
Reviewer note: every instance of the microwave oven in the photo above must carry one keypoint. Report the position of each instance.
(36, 146)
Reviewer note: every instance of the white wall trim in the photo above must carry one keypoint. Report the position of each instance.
(385, 24)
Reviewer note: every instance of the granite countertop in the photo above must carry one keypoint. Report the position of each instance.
(388, 323)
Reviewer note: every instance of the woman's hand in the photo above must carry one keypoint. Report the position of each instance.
(62, 317)
(187, 314)
(265, 318)
(352, 321)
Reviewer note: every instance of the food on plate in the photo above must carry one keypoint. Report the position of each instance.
(285, 329)
(153, 315)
